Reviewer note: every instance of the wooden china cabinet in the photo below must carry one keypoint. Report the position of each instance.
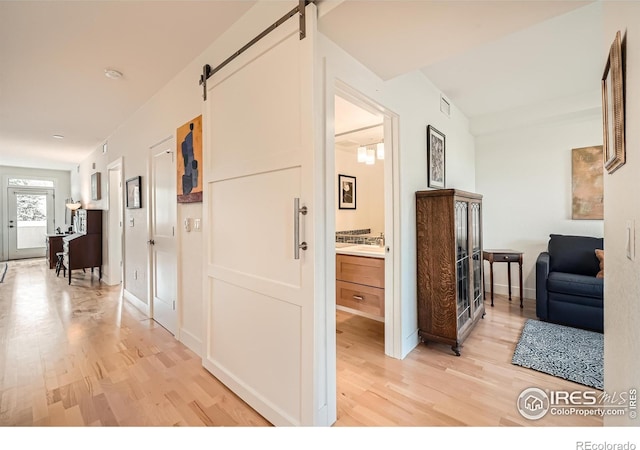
(449, 265)
(83, 249)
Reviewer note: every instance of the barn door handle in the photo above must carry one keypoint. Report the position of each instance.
(151, 241)
(297, 245)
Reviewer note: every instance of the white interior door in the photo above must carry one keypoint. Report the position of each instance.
(115, 224)
(163, 240)
(31, 218)
(262, 338)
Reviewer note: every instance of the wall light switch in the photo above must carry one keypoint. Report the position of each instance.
(196, 224)
(130, 221)
(630, 239)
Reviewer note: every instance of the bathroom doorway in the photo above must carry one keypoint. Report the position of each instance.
(365, 136)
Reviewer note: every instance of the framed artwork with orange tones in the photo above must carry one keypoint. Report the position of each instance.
(189, 161)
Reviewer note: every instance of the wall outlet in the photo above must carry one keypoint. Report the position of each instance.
(131, 221)
(187, 224)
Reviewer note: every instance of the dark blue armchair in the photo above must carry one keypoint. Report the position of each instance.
(567, 290)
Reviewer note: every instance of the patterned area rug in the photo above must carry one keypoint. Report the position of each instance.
(564, 352)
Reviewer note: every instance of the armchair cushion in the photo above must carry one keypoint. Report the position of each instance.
(573, 284)
(574, 254)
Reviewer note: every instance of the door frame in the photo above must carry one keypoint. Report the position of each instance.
(392, 308)
(50, 192)
(117, 165)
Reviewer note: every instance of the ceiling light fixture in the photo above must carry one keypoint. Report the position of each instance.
(371, 156)
(380, 150)
(72, 205)
(112, 73)
(58, 136)
(362, 154)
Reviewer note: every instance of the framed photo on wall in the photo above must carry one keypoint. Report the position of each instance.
(134, 197)
(95, 186)
(613, 119)
(435, 158)
(346, 192)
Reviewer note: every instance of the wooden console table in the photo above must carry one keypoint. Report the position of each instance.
(507, 256)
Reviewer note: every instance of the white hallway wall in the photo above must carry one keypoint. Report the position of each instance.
(417, 103)
(413, 97)
(175, 104)
(622, 203)
(524, 175)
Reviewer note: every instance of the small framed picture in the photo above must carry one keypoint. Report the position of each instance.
(435, 158)
(95, 186)
(134, 197)
(346, 192)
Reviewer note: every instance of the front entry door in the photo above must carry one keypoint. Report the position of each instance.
(31, 218)
(163, 240)
(261, 336)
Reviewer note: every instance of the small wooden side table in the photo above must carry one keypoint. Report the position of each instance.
(507, 256)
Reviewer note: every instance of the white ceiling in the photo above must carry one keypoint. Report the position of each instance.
(485, 56)
(53, 55)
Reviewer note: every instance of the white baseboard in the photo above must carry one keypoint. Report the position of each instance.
(409, 343)
(503, 289)
(107, 281)
(135, 301)
(193, 342)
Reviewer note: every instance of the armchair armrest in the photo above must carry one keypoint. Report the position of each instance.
(542, 273)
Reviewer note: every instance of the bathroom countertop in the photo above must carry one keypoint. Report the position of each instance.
(371, 251)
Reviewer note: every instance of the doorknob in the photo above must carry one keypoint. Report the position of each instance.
(152, 242)
(11, 226)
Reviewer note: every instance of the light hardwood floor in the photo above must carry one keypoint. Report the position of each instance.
(81, 356)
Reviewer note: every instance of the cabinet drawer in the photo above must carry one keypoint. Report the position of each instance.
(504, 257)
(363, 298)
(361, 270)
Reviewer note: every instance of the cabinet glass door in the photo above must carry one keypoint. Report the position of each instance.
(476, 245)
(462, 262)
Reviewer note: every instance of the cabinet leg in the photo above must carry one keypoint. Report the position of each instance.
(509, 278)
(69, 276)
(520, 269)
(491, 279)
(456, 349)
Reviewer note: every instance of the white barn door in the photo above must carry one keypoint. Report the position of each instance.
(261, 331)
